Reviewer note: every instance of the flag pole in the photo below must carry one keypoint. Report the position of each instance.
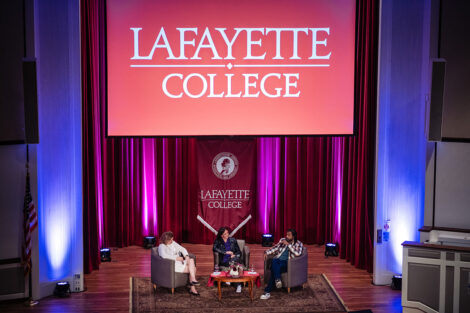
(29, 301)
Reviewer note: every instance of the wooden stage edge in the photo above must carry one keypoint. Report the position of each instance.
(107, 289)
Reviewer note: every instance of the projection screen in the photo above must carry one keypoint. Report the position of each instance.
(232, 67)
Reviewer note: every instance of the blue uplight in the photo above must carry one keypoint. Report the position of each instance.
(401, 137)
(59, 152)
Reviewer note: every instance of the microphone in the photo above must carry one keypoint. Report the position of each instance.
(181, 255)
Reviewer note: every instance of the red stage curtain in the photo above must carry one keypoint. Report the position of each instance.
(137, 187)
(357, 222)
(92, 56)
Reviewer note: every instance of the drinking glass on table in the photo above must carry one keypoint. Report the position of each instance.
(252, 268)
(216, 268)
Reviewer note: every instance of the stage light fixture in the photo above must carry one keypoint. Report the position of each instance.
(267, 240)
(62, 289)
(105, 254)
(396, 282)
(331, 249)
(149, 242)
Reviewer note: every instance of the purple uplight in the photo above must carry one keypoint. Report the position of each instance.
(277, 160)
(262, 194)
(154, 191)
(149, 190)
(338, 180)
(99, 185)
(145, 201)
(263, 172)
(268, 179)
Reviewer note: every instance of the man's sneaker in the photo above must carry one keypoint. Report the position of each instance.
(227, 283)
(266, 296)
(239, 288)
(278, 283)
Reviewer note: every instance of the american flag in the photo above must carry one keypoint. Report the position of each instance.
(30, 224)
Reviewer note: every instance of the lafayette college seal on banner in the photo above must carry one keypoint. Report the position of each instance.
(225, 165)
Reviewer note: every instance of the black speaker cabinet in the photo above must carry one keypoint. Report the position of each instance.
(30, 101)
(437, 99)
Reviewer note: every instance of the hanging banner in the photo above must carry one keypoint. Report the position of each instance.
(226, 186)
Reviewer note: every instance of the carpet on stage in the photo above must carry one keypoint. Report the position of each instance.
(317, 296)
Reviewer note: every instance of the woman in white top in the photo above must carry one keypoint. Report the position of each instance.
(169, 249)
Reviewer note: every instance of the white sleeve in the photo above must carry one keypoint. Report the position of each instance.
(165, 253)
(181, 249)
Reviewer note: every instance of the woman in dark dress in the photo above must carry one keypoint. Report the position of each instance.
(228, 250)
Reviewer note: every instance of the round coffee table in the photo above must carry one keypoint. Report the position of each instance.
(229, 279)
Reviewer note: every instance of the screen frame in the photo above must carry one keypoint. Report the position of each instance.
(355, 96)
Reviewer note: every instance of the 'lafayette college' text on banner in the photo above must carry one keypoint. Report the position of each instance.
(233, 67)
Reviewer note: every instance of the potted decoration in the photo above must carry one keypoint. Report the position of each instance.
(236, 270)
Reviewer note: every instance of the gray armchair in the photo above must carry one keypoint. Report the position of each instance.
(297, 271)
(163, 272)
(245, 258)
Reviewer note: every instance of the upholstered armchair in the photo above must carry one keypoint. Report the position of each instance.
(297, 271)
(245, 258)
(163, 272)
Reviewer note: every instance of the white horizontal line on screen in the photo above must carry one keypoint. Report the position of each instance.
(222, 65)
(281, 65)
(176, 65)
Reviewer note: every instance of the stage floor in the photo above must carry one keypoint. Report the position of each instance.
(107, 289)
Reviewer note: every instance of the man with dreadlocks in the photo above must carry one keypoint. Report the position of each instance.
(287, 248)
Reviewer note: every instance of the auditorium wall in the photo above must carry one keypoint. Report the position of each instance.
(448, 174)
(17, 34)
(12, 192)
(12, 32)
(451, 171)
(403, 97)
(59, 154)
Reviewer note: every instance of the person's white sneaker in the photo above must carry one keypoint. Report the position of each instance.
(239, 288)
(265, 296)
(227, 283)
(278, 283)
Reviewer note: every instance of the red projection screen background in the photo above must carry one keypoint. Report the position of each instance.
(232, 67)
